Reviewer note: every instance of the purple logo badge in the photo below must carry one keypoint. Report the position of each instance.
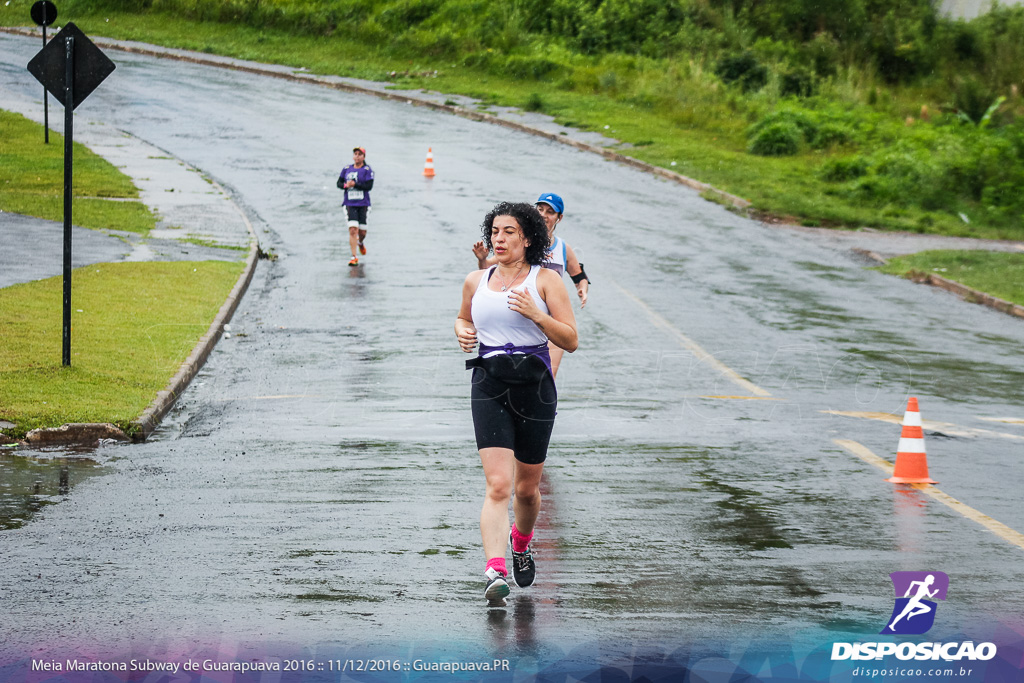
(914, 612)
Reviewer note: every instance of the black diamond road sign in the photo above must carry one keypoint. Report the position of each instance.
(91, 65)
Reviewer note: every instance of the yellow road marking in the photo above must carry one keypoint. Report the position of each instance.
(884, 417)
(694, 347)
(1007, 420)
(944, 427)
(998, 528)
(746, 398)
(865, 454)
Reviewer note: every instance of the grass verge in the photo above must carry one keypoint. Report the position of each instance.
(1000, 274)
(129, 336)
(32, 180)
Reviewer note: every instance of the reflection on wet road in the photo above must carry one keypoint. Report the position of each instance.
(31, 480)
(318, 483)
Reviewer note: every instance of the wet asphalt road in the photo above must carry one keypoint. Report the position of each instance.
(317, 486)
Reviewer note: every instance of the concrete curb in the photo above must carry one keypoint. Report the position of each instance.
(75, 433)
(709, 191)
(966, 293)
(149, 420)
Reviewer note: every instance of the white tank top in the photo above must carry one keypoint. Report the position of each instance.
(497, 324)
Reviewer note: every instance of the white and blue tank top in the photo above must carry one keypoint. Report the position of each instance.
(556, 256)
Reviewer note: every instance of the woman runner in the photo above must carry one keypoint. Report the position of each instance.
(513, 309)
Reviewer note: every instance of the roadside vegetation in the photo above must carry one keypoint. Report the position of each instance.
(133, 325)
(32, 181)
(1000, 274)
(832, 112)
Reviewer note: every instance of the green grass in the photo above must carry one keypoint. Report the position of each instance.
(1000, 274)
(133, 324)
(32, 181)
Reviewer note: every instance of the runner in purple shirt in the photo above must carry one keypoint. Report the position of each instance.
(357, 181)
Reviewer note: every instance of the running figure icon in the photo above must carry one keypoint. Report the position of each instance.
(915, 608)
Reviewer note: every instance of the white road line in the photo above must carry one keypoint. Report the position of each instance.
(265, 398)
(998, 528)
(694, 348)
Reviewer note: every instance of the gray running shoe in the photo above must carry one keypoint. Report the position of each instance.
(497, 588)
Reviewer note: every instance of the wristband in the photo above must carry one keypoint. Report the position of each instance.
(580, 277)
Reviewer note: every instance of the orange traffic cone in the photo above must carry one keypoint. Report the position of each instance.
(428, 168)
(911, 461)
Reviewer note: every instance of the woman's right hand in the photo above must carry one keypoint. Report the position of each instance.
(467, 338)
(480, 251)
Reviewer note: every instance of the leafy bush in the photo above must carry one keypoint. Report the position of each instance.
(796, 83)
(802, 121)
(898, 48)
(941, 169)
(781, 138)
(399, 17)
(972, 98)
(832, 134)
(529, 67)
(744, 70)
(483, 61)
(842, 170)
(627, 26)
(822, 54)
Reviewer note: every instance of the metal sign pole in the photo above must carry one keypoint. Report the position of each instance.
(46, 104)
(69, 81)
(69, 115)
(44, 13)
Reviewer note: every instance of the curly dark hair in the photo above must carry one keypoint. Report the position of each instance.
(535, 230)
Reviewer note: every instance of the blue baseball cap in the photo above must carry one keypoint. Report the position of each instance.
(552, 200)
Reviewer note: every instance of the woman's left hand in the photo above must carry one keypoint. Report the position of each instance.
(582, 290)
(521, 301)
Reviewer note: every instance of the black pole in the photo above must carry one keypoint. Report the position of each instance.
(69, 112)
(46, 104)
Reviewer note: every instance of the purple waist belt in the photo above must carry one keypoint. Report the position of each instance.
(539, 350)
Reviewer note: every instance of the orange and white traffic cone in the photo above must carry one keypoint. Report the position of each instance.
(911, 461)
(428, 168)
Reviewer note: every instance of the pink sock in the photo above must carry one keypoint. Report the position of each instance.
(520, 542)
(497, 564)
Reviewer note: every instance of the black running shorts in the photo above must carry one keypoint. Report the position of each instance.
(357, 214)
(514, 416)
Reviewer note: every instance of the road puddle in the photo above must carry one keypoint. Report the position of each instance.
(33, 479)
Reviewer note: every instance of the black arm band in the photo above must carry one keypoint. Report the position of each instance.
(365, 187)
(582, 276)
